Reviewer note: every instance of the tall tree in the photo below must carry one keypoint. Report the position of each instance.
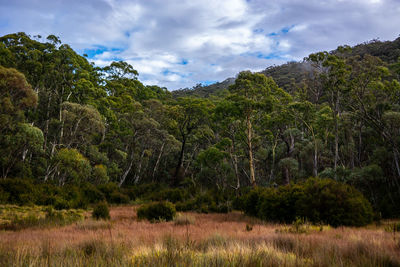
(334, 73)
(252, 93)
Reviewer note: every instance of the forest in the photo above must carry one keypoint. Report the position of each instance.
(72, 133)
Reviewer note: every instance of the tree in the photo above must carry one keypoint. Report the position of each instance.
(334, 73)
(189, 114)
(227, 123)
(253, 94)
(70, 167)
(16, 137)
(79, 124)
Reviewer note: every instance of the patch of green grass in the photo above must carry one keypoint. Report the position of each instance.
(21, 217)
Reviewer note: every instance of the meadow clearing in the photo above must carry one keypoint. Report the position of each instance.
(195, 239)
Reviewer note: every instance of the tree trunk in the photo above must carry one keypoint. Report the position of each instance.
(251, 161)
(46, 127)
(272, 173)
(396, 161)
(287, 176)
(136, 178)
(123, 178)
(180, 162)
(315, 161)
(336, 113)
(158, 160)
(359, 145)
(235, 166)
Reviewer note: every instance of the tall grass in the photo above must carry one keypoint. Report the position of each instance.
(212, 240)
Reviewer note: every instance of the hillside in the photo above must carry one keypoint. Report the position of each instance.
(289, 74)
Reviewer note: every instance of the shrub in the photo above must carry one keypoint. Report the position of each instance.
(317, 200)
(61, 204)
(20, 191)
(157, 211)
(143, 190)
(170, 194)
(251, 201)
(3, 196)
(92, 194)
(101, 211)
(119, 198)
(334, 203)
(185, 206)
(130, 192)
(108, 189)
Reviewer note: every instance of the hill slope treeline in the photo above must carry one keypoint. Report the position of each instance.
(65, 121)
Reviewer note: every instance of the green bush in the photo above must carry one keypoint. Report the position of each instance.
(317, 200)
(101, 211)
(144, 190)
(118, 198)
(61, 204)
(92, 194)
(334, 203)
(210, 201)
(108, 189)
(19, 191)
(157, 211)
(170, 194)
(186, 206)
(130, 192)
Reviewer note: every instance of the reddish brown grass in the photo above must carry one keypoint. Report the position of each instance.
(328, 246)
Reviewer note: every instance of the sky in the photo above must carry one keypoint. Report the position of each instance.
(178, 44)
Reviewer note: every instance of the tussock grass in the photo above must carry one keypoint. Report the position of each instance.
(213, 240)
(93, 225)
(184, 219)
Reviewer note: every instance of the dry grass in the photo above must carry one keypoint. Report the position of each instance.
(209, 240)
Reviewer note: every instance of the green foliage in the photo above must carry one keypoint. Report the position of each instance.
(157, 211)
(205, 202)
(108, 189)
(92, 194)
(17, 218)
(318, 200)
(19, 191)
(61, 204)
(99, 174)
(101, 211)
(170, 194)
(119, 198)
(72, 166)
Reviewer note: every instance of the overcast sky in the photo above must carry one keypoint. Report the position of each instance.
(181, 43)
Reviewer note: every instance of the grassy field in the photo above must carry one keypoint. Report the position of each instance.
(196, 240)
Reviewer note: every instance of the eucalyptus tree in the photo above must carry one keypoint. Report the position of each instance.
(255, 95)
(226, 117)
(189, 114)
(334, 74)
(17, 138)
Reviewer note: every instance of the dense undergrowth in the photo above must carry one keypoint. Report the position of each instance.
(316, 200)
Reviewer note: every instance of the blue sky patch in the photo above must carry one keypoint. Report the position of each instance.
(282, 31)
(98, 50)
(208, 82)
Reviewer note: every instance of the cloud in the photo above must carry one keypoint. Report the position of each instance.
(181, 43)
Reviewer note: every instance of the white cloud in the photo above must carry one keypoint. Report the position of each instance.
(180, 43)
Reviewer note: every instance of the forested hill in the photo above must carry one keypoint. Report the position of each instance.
(292, 74)
(215, 89)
